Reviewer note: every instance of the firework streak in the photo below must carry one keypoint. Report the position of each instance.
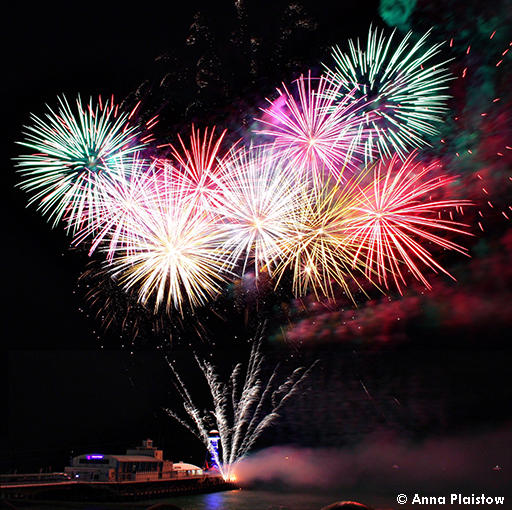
(243, 409)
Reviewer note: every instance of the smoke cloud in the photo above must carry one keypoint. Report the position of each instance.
(384, 462)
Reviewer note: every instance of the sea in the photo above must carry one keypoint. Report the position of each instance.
(249, 500)
(227, 500)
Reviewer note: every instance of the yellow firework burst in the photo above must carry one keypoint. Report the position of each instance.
(318, 249)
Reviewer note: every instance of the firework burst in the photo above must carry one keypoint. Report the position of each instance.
(174, 230)
(317, 131)
(73, 150)
(392, 216)
(258, 197)
(318, 249)
(402, 90)
(169, 250)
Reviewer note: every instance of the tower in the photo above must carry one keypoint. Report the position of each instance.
(213, 448)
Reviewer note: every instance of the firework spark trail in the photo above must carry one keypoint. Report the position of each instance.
(390, 220)
(239, 418)
(199, 169)
(318, 130)
(72, 151)
(401, 88)
(201, 422)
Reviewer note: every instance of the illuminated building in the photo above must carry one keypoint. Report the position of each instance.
(144, 463)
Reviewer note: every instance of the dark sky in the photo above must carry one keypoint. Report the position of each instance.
(100, 49)
(69, 386)
(62, 391)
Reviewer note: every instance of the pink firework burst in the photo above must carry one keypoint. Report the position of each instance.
(394, 216)
(120, 202)
(316, 131)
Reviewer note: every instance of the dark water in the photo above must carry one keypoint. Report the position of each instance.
(229, 500)
(261, 500)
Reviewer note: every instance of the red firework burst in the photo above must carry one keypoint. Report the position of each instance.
(393, 219)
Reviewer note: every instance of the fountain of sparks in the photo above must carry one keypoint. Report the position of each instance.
(242, 409)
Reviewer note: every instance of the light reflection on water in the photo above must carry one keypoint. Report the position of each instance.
(260, 500)
(215, 501)
(252, 500)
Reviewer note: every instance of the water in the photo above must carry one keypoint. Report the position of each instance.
(255, 500)
(228, 500)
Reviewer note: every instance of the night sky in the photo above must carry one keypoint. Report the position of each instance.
(69, 386)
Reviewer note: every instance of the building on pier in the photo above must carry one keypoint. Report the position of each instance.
(144, 463)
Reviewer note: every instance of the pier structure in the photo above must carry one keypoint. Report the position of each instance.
(142, 473)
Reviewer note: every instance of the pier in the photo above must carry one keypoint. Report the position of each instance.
(141, 473)
(72, 490)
